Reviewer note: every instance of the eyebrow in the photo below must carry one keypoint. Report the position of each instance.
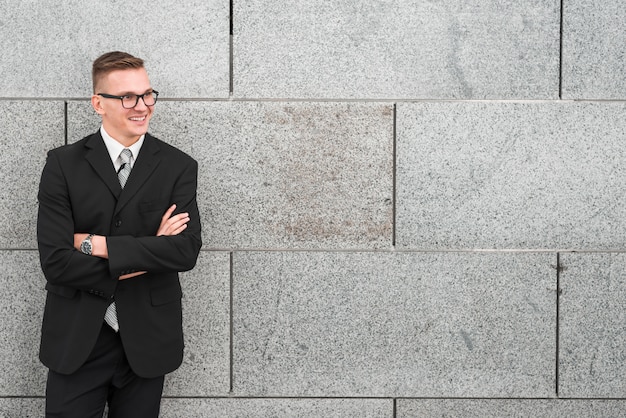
(128, 93)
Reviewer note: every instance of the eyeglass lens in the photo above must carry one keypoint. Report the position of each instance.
(129, 101)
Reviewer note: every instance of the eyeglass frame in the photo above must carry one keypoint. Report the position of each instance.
(137, 97)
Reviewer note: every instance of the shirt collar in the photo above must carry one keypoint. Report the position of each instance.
(115, 148)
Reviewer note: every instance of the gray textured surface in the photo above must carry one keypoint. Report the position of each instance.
(28, 129)
(519, 408)
(82, 119)
(592, 347)
(48, 47)
(403, 49)
(394, 324)
(22, 407)
(206, 317)
(294, 175)
(529, 171)
(594, 50)
(277, 408)
(511, 175)
(22, 285)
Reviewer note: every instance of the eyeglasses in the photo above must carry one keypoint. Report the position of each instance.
(129, 101)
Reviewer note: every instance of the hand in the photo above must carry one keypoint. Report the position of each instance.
(172, 225)
(128, 276)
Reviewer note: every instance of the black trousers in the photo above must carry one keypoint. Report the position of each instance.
(105, 378)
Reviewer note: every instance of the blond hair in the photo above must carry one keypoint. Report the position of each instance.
(112, 61)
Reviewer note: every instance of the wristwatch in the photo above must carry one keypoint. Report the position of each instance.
(85, 246)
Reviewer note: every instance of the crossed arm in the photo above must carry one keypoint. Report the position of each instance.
(170, 225)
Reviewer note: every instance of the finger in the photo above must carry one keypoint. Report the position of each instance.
(177, 230)
(178, 218)
(167, 223)
(168, 212)
(180, 229)
(175, 221)
(171, 225)
(131, 275)
(176, 227)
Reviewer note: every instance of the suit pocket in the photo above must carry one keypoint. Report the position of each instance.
(151, 213)
(153, 205)
(165, 294)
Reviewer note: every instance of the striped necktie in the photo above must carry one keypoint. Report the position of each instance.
(126, 156)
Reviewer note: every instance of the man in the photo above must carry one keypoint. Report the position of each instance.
(114, 229)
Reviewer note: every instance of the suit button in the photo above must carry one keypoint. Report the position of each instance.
(118, 223)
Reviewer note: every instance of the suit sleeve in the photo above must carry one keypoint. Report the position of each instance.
(161, 254)
(61, 263)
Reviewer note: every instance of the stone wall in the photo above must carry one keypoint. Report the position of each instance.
(410, 208)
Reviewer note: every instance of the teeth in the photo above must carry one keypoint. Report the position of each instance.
(138, 119)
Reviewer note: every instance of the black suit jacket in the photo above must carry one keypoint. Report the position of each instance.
(80, 192)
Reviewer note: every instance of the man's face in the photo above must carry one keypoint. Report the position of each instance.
(125, 125)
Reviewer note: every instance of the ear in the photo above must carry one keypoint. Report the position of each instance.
(96, 102)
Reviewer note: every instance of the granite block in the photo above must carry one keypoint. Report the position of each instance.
(506, 175)
(22, 407)
(519, 408)
(29, 130)
(456, 49)
(206, 319)
(394, 324)
(592, 325)
(286, 175)
(82, 120)
(20, 317)
(48, 54)
(276, 408)
(594, 50)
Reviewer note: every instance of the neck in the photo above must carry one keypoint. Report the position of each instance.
(128, 141)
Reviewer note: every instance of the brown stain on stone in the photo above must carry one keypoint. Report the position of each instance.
(323, 171)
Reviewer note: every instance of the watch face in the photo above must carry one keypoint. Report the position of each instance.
(85, 246)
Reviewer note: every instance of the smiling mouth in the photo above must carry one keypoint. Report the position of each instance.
(138, 119)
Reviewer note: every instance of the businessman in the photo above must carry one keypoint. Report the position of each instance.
(117, 221)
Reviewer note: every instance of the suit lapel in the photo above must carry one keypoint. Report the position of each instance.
(98, 157)
(144, 166)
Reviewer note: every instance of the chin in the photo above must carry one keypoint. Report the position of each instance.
(141, 131)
